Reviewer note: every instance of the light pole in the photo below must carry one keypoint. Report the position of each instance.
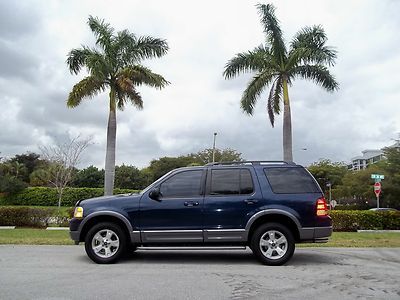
(213, 152)
(329, 185)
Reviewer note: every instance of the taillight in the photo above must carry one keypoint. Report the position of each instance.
(322, 208)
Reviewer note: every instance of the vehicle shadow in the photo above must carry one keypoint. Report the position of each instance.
(221, 257)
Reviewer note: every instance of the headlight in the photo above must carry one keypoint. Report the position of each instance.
(78, 213)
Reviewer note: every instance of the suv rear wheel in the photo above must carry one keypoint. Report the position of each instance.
(105, 243)
(273, 244)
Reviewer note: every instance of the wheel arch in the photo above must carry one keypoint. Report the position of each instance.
(274, 216)
(105, 216)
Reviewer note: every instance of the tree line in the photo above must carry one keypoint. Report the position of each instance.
(348, 187)
(32, 169)
(356, 187)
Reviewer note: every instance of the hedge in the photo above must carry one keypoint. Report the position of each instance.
(353, 220)
(44, 196)
(23, 216)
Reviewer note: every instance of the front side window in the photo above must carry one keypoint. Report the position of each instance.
(183, 184)
(231, 182)
(291, 181)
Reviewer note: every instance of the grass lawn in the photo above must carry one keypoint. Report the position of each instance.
(339, 239)
(28, 236)
(362, 239)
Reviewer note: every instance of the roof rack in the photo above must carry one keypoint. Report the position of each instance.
(251, 162)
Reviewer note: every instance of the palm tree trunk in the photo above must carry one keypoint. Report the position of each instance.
(109, 173)
(287, 124)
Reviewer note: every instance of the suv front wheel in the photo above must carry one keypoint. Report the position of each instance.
(105, 243)
(273, 244)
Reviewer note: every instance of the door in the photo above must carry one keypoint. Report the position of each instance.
(177, 216)
(231, 195)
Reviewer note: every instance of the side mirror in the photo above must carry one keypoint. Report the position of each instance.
(155, 194)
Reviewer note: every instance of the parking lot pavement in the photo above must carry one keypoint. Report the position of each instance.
(65, 272)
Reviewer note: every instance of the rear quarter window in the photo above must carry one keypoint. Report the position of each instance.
(291, 181)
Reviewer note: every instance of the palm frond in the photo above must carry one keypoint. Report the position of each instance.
(254, 89)
(126, 92)
(252, 61)
(88, 87)
(272, 30)
(274, 98)
(308, 46)
(146, 47)
(103, 32)
(141, 75)
(317, 73)
(76, 59)
(98, 64)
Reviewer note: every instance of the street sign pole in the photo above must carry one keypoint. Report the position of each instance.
(377, 191)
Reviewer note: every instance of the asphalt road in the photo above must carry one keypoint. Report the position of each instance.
(64, 272)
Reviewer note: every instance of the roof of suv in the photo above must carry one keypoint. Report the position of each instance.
(253, 163)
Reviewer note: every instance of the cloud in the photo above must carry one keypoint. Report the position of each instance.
(35, 38)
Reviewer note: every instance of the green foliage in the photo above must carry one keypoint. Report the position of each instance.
(163, 165)
(391, 183)
(205, 156)
(44, 196)
(11, 185)
(346, 220)
(129, 177)
(32, 216)
(90, 177)
(326, 171)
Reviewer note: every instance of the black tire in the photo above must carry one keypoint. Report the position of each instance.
(268, 253)
(116, 252)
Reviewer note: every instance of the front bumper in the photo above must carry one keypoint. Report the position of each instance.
(74, 230)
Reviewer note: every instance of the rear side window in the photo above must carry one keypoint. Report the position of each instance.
(291, 181)
(231, 182)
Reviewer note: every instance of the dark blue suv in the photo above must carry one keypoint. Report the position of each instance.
(265, 205)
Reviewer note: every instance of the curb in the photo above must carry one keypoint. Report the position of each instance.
(48, 228)
(57, 228)
(379, 231)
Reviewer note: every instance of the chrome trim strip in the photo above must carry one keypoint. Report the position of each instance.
(224, 235)
(223, 230)
(172, 231)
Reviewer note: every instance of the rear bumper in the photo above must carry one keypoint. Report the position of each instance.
(315, 234)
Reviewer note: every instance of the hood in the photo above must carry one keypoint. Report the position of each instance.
(104, 199)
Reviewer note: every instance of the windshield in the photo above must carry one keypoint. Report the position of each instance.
(154, 183)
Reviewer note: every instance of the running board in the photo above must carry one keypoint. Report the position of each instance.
(194, 248)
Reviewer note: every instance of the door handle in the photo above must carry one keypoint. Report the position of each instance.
(250, 201)
(191, 203)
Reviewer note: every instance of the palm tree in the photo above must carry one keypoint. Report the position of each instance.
(114, 64)
(277, 66)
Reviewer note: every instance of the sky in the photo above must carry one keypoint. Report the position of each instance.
(36, 36)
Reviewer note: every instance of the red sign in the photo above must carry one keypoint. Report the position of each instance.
(377, 188)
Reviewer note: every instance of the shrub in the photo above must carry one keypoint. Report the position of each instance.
(44, 196)
(33, 216)
(353, 220)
